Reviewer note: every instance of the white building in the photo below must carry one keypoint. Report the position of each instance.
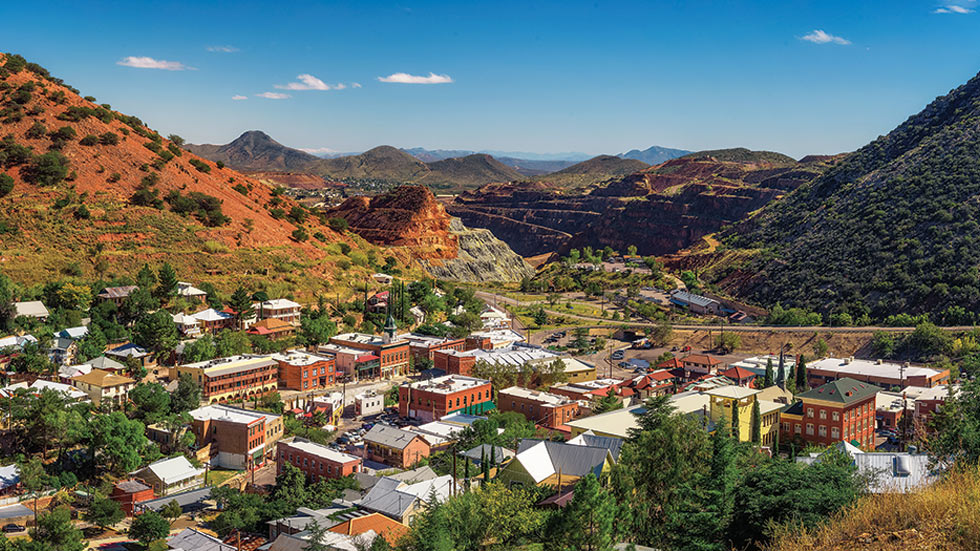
(369, 403)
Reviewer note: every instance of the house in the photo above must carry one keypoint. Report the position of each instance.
(554, 464)
(300, 370)
(417, 314)
(843, 409)
(494, 318)
(272, 328)
(619, 422)
(383, 279)
(9, 479)
(116, 295)
(695, 303)
(656, 383)
(74, 333)
(236, 438)
(281, 309)
(391, 353)
(232, 378)
(431, 399)
(187, 291)
(740, 376)
(31, 309)
(104, 387)
(485, 451)
(16, 342)
(66, 391)
(395, 447)
(131, 352)
(170, 476)
(493, 339)
(213, 321)
(127, 493)
(63, 351)
(877, 372)
(190, 539)
(389, 529)
(722, 404)
(401, 501)
(65, 373)
(517, 355)
(189, 326)
(886, 471)
(695, 365)
(378, 302)
(369, 403)
(318, 462)
(341, 519)
(541, 408)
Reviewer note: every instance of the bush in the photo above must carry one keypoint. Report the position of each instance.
(90, 139)
(220, 164)
(21, 97)
(297, 214)
(109, 138)
(319, 236)
(215, 247)
(114, 177)
(6, 184)
(240, 189)
(89, 98)
(47, 169)
(13, 154)
(146, 197)
(338, 224)
(299, 234)
(206, 208)
(200, 165)
(82, 213)
(175, 149)
(62, 136)
(277, 213)
(15, 63)
(36, 131)
(344, 248)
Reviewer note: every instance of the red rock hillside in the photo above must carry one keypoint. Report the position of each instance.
(83, 187)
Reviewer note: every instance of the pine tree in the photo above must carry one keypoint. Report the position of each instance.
(768, 382)
(756, 423)
(801, 378)
(791, 380)
(466, 473)
(781, 374)
(590, 518)
(146, 279)
(485, 464)
(241, 304)
(736, 423)
(167, 286)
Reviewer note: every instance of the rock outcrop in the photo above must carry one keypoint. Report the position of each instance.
(481, 257)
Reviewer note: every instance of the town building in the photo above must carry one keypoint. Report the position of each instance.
(425, 346)
(587, 390)
(127, 493)
(886, 472)
(556, 464)
(232, 378)
(31, 309)
(214, 321)
(378, 303)
(494, 318)
(281, 309)
(272, 328)
(346, 359)
(541, 408)
(843, 409)
(493, 339)
(304, 371)
(928, 401)
(104, 387)
(392, 355)
(317, 461)
(66, 391)
(236, 438)
(696, 365)
(132, 353)
(189, 538)
(170, 476)
(383, 279)
(434, 398)
(695, 303)
(188, 325)
(877, 372)
(722, 404)
(518, 355)
(657, 383)
(401, 501)
(369, 403)
(740, 376)
(191, 293)
(394, 447)
(116, 295)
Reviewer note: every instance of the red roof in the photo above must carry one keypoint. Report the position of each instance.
(702, 359)
(738, 373)
(672, 363)
(661, 375)
(368, 358)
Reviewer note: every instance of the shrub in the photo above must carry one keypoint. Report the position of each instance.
(6, 184)
(114, 177)
(36, 131)
(297, 214)
(220, 164)
(200, 165)
(338, 224)
(82, 213)
(277, 213)
(177, 140)
(206, 208)
(153, 146)
(319, 236)
(89, 139)
(240, 189)
(35, 110)
(15, 63)
(215, 247)
(344, 248)
(75, 113)
(109, 138)
(165, 155)
(299, 234)
(146, 197)
(89, 98)
(47, 169)
(58, 96)
(62, 136)
(175, 149)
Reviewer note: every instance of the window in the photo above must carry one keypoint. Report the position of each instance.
(809, 412)
(836, 416)
(823, 414)
(822, 429)
(797, 429)
(809, 429)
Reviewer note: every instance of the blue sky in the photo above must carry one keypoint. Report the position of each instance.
(597, 77)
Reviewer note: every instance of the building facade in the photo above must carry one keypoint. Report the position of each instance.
(316, 461)
(541, 408)
(435, 398)
(238, 438)
(393, 355)
(843, 409)
(304, 371)
(395, 447)
(232, 378)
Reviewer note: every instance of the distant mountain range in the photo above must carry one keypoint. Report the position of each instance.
(654, 155)
(442, 170)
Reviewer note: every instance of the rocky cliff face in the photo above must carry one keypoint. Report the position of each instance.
(410, 217)
(662, 210)
(481, 257)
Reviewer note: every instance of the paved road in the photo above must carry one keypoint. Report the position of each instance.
(502, 300)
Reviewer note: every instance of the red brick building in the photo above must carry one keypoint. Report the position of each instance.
(238, 438)
(541, 408)
(127, 493)
(393, 353)
(696, 365)
(425, 346)
(303, 371)
(429, 400)
(394, 446)
(839, 410)
(316, 461)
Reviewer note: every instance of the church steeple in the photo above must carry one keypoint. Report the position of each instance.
(389, 330)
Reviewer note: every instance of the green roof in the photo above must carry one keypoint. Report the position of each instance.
(843, 391)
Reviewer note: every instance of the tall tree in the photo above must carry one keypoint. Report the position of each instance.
(768, 380)
(33, 479)
(157, 333)
(55, 532)
(781, 374)
(232, 343)
(149, 527)
(150, 402)
(589, 519)
(167, 286)
(736, 422)
(801, 378)
(104, 512)
(146, 279)
(756, 423)
(118, 441)
(187, 396)
(241, 304)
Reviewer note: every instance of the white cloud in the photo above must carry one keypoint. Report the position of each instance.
(405, 78)
(306, 82)
(239, 97)
(142, 62)
(223, 49)
(317, 150)
(355, 85)
(339, 86)
(818, 36)
(953, 8)
(272, 95)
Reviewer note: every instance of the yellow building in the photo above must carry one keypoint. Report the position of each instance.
(234, 378)
(723, 400)
(576, 370)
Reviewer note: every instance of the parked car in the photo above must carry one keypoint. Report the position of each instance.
(625, 365)
(686, 349)
(8, 528)
(618, 355)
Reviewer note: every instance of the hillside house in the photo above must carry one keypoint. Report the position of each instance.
(116, 295)
(171, 476)
(31, 309)
(281, 309)
(191, 293)
(104, 387)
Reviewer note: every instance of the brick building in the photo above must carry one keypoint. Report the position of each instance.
(696, 365)
(232, 378)
(392, 353)
(429, 400)
(238, 438)
(316, 461)
(127, 493)
(877, 372)
(395, 447)
(541, 408)
(843, 409)
(304, 371)
(425, 346)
